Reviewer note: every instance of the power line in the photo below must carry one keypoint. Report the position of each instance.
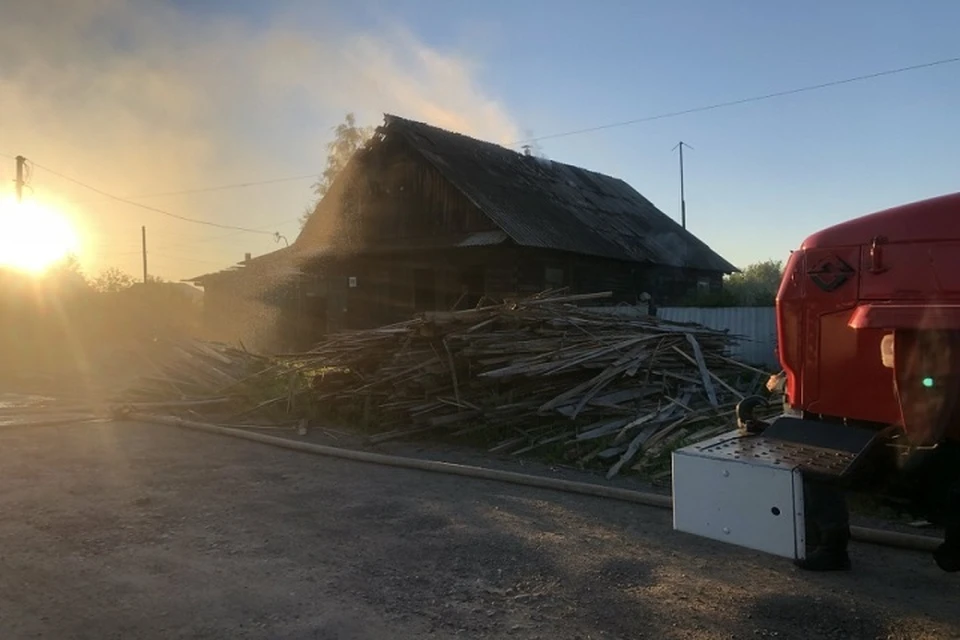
(624, 123)
(731, 103)
(158, 194)
(164, 249)
(195, 241)
(161, 254)
(148, 207)
(222, 187)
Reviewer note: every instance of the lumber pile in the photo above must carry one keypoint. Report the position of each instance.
(189, 373)
(539, 375)
(19, 410)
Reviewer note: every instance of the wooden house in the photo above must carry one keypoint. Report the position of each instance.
(424, 219)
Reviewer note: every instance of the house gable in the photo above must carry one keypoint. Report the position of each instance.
(552, 205)
(417, 186)
(388, 197)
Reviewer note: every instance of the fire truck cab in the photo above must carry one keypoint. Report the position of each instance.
(868, 328)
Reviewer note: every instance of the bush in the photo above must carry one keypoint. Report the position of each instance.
(755, 286)
(59, 324)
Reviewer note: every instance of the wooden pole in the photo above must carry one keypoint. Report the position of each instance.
(143, 242)
(683, 197)
(21, 161)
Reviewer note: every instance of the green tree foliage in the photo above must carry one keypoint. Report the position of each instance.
(755, 286)
(348, 138)
(61, 323)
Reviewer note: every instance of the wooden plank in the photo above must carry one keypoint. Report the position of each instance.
(704, 372)
(567, 299)
(453, 371)
(603, 429)
(712, 375)
(632, 449)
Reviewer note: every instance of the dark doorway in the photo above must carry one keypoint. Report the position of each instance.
(472, 287)
(424, 290)
(313, 320)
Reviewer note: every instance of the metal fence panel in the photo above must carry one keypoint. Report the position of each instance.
(756, 325)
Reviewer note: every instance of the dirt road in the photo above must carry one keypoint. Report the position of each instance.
(134, 531)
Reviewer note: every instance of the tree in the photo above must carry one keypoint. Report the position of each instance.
(756, 284)
(348, 138)
(66, 276)
(112, 280)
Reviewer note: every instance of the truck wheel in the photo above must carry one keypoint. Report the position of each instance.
(947, 558)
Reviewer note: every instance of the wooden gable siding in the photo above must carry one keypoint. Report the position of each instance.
(365, 291)
(539, 270)
(392, 195)
(672, 285)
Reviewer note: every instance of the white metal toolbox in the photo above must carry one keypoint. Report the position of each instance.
(741, 489)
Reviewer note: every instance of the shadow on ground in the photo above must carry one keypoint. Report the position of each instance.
(131, 530)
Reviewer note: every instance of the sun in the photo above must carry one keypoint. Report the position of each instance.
(34, 236)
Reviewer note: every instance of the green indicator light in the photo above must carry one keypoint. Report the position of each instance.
(927, 382)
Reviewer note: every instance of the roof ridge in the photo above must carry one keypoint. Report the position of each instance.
(545, 203)
(390, 117)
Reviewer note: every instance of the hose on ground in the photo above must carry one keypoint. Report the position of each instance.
(860, 534)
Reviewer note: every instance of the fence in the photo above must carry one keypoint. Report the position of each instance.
(756, 325)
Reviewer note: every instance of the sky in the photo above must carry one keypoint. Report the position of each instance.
(144, 97)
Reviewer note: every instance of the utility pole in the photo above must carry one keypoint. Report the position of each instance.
(683, 200)
(21, 161)
(143, 240)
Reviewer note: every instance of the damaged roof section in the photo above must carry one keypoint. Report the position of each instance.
(551, 205)
(270, 268)
(529, 202)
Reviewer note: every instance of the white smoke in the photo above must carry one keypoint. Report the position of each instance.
(140, 97)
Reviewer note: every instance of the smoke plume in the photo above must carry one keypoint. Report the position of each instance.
(140, 98)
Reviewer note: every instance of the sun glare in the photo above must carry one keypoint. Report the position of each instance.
(34, 236)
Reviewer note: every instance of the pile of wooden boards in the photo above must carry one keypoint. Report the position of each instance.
(539, 375)
(24, 410)
(190, 374)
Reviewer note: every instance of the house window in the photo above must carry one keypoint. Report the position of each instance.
(703, 284)
(553, 278)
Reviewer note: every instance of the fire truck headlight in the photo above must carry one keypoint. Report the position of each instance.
(887, 351)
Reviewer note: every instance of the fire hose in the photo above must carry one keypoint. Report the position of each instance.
(861, 534)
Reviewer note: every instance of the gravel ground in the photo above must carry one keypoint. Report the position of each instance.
(137, 531)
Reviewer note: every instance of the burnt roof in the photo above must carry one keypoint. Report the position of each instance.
(551, 205)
